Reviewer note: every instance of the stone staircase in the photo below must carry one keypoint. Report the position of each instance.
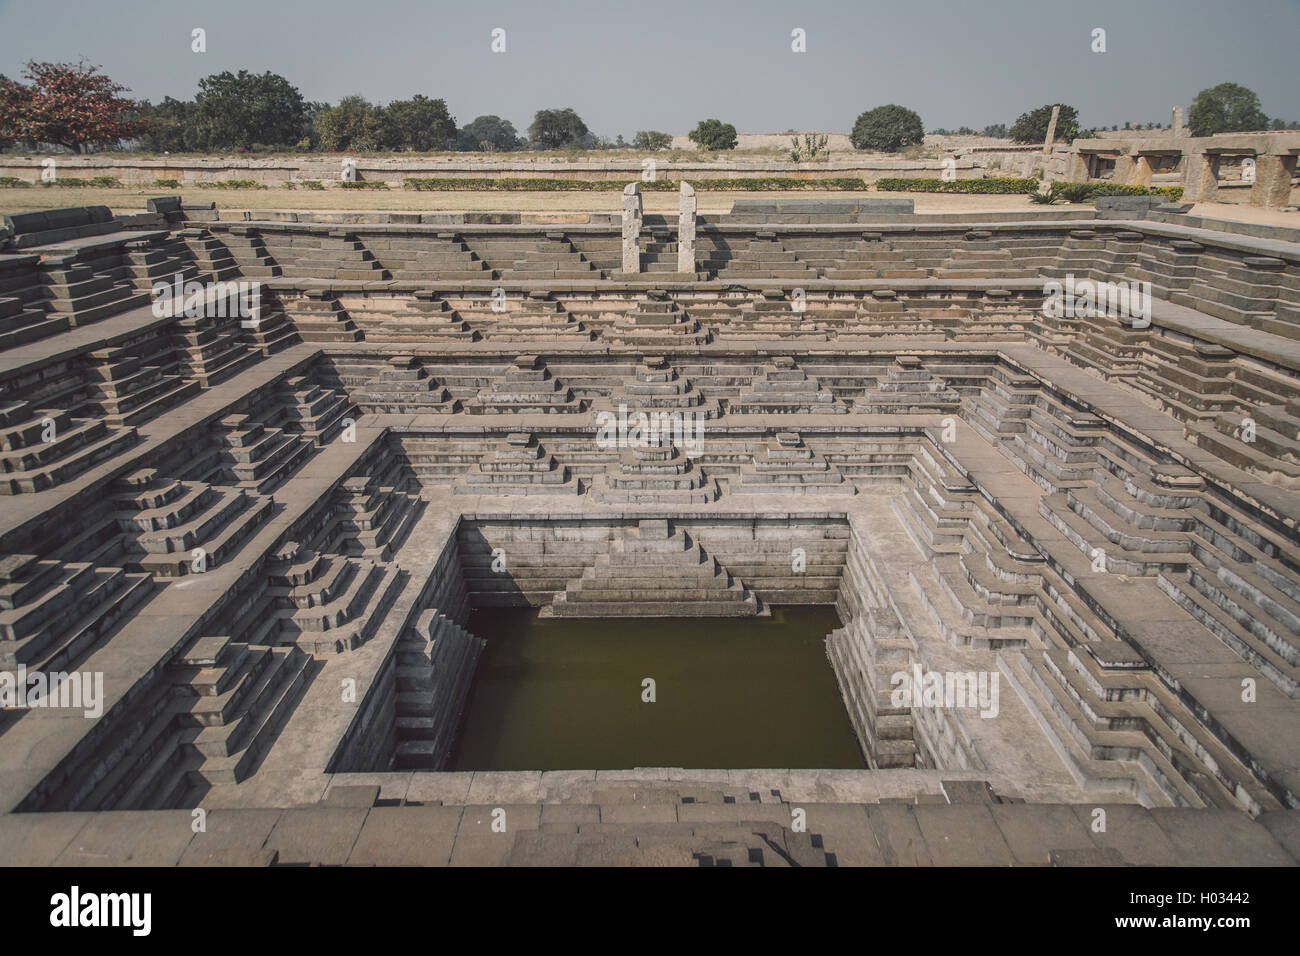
(656, 473)
(908, 388)
(435, 667)
(781, 387)
(318, 316)
(652, 572)
(785, 465)
(327, 604)
(162, 522)
(43, 448)
(405, 387)
(518, 466)
(53, 613)
(656, 321)
(527, 387)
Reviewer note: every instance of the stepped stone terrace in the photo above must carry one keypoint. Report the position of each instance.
(266, 530)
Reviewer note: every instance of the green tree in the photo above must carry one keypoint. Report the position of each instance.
(996, 130)
(713, 134)
(170, 126)
(490, 134)
(1226, 108)
(555, 129)
(651, 139)
(1031, 127)
(244, 109)
(419, 124)
(354, 124)
(887, 129)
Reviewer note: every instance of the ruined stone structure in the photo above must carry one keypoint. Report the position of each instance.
(265, 528)
(1254, 168)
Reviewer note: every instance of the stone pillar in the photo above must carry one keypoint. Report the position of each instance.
(1051, 131)
(686, 230)
(1076, 169)
(1123, 175)
(1272, 180)
(1142, 171)
(1176, 123)
(632, 228)
(1201, 183)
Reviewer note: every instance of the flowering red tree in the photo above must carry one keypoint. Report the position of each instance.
(72, 105)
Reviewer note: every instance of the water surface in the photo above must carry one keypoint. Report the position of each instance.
(730, 693)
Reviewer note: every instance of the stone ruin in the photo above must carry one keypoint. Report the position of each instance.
(229, 515)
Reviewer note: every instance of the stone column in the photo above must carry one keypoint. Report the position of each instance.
(1051, 131)
(1123, 175)
(686, 230)
(1076, 168)
(1201, 182)
(1176, 123)
(1272, 180)
(1142, 171)
(632, 228)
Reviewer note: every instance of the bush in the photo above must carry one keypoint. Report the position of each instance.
(994, 185)
(312, 184)
(751, 184)
(713, 134)
(887, 129)
(365, 184)
(95, 182)
(1086, 192)
(167, 183)
(230, 184)
(13, 182)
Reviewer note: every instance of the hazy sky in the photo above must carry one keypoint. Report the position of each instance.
(626, 66)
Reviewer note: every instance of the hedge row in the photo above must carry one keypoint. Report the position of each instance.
(231, 184)
(996, 185)
(752, 184)
(1083, 192)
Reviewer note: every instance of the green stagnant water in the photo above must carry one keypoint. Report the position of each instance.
(567, 694)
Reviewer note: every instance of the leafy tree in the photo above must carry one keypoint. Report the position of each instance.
(1226, 108)
(713, 134)
(244, 109)
(312, 112)
(490, 134)
(997, 131)
(419, 124)
(1032, 127)
(67, 104)
(354, 124)
(170, 126)
(652, 140)
(554, 129)
(887, 129)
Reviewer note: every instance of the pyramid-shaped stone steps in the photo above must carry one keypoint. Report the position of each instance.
(435, 667)
(650, 572)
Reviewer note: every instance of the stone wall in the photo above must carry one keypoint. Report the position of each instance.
(188, 170)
